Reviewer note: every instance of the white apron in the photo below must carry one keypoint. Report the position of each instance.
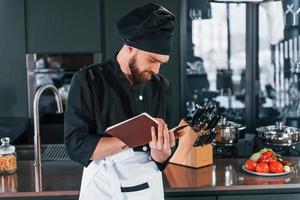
(127, 175)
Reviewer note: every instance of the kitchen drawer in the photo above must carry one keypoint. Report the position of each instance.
(192, 198)
(264, 197)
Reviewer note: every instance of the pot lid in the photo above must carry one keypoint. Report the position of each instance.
(224, 123)
(279, 128)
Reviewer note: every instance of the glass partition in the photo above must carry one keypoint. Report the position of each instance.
(279, 64)
(216, 57)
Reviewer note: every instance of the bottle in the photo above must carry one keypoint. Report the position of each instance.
(8, 182)
(8, 158)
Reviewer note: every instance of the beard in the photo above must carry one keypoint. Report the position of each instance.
(138, 76)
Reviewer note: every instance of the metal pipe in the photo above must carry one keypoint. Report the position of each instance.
(38, 178)
(37, 140)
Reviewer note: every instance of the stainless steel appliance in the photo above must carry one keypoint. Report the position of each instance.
(228, 133)
(56, 69)
(227, 137)
(279, 135)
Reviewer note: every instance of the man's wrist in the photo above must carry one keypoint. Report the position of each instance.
(159, 160)
(162, 165)
(121, 144)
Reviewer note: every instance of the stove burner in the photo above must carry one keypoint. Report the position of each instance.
(221, 151)
(282, 150)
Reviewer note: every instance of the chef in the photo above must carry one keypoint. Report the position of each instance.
(104, 94)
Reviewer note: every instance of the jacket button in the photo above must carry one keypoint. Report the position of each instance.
(145, 148)
(140, 97)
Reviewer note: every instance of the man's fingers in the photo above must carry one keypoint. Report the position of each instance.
(172, 139)
(153, 143)
(166, 137)
(179, 134)
(160, 135)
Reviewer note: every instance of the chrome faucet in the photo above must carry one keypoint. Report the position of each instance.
(37, 140)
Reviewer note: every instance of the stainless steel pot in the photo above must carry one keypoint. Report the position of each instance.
(227, 133)
(279, 135)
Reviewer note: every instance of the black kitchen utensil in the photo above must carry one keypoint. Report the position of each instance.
(214, 121)
(199, 140)
(180, 128)
(211, 127)
(202, 118)
(208, 136)
(212, 135)
(197, 114)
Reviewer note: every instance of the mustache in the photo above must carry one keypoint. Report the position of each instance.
(150, 72)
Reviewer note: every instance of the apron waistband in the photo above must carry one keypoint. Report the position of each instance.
(121, 156)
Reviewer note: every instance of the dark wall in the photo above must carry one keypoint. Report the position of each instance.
(56, 26)
(114, 9)
(63, 25)
(13, 90)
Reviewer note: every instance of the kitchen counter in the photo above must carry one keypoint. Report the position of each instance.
(224, 177)
(58, 179)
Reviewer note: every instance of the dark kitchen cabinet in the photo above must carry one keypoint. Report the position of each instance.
(264, 197)
(113, 10)
(192, 198)
(13, 91)
(63, 26)
(46, 198)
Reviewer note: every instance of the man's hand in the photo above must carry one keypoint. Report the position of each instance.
(161, 142)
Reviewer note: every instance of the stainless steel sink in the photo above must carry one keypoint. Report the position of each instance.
(50, 152)
(55, 152)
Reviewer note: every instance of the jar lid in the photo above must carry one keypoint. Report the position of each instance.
(5, 147)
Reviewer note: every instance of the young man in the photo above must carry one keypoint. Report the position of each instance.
(108, 93)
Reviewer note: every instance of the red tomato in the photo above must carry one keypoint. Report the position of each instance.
(269, 153)
(269, 160)
(250, 165)
(262, 167)
(276, 167)
(262, 158)
(267, 157)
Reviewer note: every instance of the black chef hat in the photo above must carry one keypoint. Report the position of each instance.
(149, 28)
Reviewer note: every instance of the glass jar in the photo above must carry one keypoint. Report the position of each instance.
(8, 182)
(8, 158)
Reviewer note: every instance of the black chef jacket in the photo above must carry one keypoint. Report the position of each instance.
(101, 96)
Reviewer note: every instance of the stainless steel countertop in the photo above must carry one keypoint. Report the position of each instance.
(225, 176)
(58, 179)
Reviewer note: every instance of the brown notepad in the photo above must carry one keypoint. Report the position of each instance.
(135, 131)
